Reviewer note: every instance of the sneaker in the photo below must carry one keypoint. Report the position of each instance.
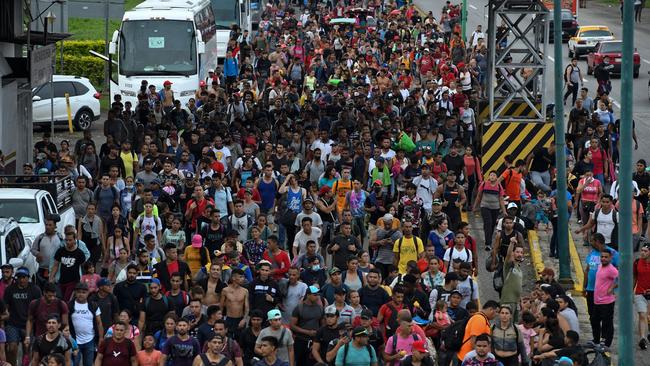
(643, 344)
(488, 248)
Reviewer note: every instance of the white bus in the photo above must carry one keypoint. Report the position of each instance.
(227, 13)
(163, 40)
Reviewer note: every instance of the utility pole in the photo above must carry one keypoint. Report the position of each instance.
(625, 294)
(560, 151)
(463, 20)
(106, 21)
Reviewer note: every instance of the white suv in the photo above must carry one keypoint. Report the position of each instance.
(14, 248)
(84, 102)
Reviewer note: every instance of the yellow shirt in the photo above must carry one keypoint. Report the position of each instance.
(341, 189)
(409, 251)
(192, 257)
(128, 159)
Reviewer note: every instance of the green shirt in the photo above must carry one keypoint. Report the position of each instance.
(512, 283)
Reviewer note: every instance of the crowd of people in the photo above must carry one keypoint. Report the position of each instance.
(305, 207)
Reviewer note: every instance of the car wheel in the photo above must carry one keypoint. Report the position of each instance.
(84, 119)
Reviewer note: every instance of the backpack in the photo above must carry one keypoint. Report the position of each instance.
(415, 241)
(37, 241)
(206, 361)
(116, 194)
(614, 235)
(92, 308)
(147, 301)
(61, 347)
(184, 295)
(394, 337)
(345, 352)
(452, 338)
(392, 324)
(565, 70)
(450, 254)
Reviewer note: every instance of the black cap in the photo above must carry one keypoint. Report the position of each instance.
(366, 314)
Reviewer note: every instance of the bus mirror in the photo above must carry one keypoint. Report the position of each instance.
(112, 48)
(116, 34)
(200, 48)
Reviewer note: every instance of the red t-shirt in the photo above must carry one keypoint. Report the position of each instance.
(199, 210)
(117, 353)
(256, 194)
(642, 275)
(40, 314)
(598, 159)
(279, 265)
(386, 312)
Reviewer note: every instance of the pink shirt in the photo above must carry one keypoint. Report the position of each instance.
(403, 344)
(605, 278)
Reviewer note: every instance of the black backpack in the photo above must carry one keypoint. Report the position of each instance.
(451, 338)
(392, 324)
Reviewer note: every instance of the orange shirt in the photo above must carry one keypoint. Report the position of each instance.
(477, 325)
(148, 359)
(512, 181)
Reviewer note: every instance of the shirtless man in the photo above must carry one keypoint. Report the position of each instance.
(234, 299)
(214, 285)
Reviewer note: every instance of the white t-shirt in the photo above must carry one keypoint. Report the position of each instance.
(465, 288)
(301, 240)
(425, 190)
(82, 319)
(222, 154)
(295, 294)
(452, 253)
(149, 225)
(605, 224)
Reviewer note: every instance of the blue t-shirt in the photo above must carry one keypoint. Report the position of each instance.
(181, 352)
(593, 261)
(363, 356)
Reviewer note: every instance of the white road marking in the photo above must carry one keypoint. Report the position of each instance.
(646, 61)
(550, 58)
(473, 7)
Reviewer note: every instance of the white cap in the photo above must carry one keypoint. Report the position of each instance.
(388, 217)
(512, 205)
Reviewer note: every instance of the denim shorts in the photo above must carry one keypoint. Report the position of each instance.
(14, 334)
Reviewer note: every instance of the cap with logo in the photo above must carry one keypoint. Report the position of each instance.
(360, 332)
(274, 314)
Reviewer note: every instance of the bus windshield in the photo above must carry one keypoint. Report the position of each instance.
(157, 47)
(226, 13)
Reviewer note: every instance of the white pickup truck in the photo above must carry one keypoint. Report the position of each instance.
(31, 203)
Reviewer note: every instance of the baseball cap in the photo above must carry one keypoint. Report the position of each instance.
(334, 270)
(22, 271)
(378, 182)
(201, 83)
(81, 286)
(380, 160)
(313, 290)
(197, 241)
(360, 332)
(565, 361)
(103, 282)
(419, 346)
(167, 82)
(331, 310)
(366, 314)
(274, 314)
(143, 251)
(210, 70)
(388, 217)
(512, 205)
(436, 202)
(156, 281)
(6, 265)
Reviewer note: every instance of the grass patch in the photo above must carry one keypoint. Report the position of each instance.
(609, 2)
(83, 28)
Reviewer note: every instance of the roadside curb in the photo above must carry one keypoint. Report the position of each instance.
(577, 267)
(535, 253)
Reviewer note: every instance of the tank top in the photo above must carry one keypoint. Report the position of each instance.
(451, 194)
(505, 242)
(267, 192)
(294, 200)
(326, 217)
(491, 194)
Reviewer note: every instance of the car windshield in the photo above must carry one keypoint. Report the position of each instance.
(23, 211)
(158, 47)
(611, 47)
(226, 13)
(595, 33)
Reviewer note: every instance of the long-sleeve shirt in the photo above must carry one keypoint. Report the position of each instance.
(231, 67)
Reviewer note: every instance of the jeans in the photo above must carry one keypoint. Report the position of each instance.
(87, 353)
(601, 178)
(490, 218)
(604, 323)
(541, 180)
(571, 90)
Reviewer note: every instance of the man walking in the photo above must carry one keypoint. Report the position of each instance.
(572, 78)
(642, 292)
(604, 299)
(85, 322)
